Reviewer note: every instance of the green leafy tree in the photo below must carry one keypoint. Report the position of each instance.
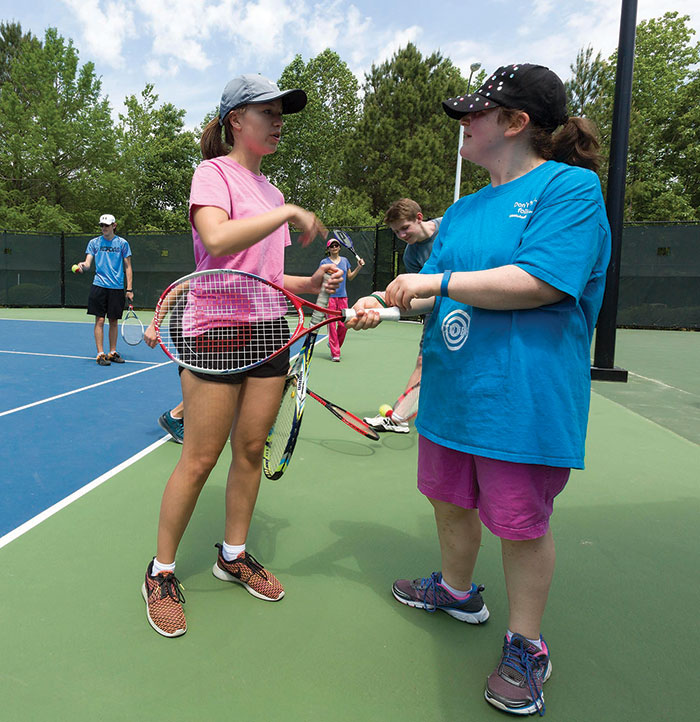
(157, 159)
(405, 145)
(57, 142)
(307, 166)
(584, 87)
(11, 40)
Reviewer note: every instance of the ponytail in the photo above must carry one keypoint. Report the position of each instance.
(576, 143)
(212, 143)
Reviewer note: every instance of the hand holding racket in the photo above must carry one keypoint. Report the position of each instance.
(132, 328)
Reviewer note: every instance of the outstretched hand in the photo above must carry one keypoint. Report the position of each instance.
(309, 225)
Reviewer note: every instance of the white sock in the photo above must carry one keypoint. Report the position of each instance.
(158, 567)
(455, 592)
(230, 551)
(536, 642)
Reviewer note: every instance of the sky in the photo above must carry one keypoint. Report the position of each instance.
(190, 49)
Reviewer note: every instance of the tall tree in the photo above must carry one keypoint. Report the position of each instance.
(157, 159)
(307, 164)
(11, 40)
(404, 144)
(584, 87)
(57, 142)
(658, 172)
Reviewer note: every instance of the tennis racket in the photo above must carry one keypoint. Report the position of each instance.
(132, 328)
(232, 321)
(284, 433)
(346, 417)
(406, 406)
(280, 442)
(344, 239)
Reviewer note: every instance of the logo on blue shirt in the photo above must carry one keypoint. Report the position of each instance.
(455, 329)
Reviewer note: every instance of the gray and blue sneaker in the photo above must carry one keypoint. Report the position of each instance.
(429, 594)
(515, 686)
(175, 427)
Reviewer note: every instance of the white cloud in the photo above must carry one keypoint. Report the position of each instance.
(105, 30)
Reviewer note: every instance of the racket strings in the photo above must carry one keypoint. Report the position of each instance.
(281, 434)
(407, 406)
(227, 322)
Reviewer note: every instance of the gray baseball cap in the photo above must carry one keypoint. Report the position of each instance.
(245, 89)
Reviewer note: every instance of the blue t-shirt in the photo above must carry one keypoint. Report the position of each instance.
(109, 260)
(416, 254)
(515, 385)
(344, 265)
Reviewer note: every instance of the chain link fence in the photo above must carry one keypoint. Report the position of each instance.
(659, 272)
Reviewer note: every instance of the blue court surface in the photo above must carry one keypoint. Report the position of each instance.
(66, 421)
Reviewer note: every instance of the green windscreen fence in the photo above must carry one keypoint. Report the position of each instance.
(659, 272)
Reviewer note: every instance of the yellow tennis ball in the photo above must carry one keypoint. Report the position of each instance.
(384, 409)
(75, 268)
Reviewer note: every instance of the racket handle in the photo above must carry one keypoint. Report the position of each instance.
(385, 314)
(321, 300)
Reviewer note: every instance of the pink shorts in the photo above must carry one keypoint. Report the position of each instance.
(514, 500)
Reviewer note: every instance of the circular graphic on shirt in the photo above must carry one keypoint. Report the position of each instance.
(455, 329)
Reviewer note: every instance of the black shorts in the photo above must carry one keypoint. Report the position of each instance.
(106, 302)
(278, 366)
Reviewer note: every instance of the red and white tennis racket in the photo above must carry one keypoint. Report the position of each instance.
(347, 417)
(406, 406)
(225, 321)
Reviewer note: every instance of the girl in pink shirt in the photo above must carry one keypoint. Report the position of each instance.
(239, 220)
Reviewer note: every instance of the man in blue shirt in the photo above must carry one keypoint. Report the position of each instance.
(112, 256)
(405, 218)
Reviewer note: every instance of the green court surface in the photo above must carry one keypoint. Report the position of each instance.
(340, 526)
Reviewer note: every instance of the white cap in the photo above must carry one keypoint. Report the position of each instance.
(108, 219)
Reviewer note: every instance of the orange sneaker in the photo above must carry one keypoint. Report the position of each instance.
(248, 571)
(164, 600)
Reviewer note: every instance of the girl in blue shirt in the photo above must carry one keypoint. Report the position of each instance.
(515, 282)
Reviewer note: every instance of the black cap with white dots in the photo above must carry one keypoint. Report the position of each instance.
(521, 86)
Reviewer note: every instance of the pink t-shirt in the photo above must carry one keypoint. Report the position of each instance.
(223, 183)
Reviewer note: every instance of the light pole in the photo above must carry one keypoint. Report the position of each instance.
(458, 176)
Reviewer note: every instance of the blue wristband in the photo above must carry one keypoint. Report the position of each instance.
(444, 283)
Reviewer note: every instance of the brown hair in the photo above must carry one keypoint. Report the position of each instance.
(212, 143)
(402, 210)
(574, 143)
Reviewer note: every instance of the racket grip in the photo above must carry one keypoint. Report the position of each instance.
(392, 313)
(321, 300)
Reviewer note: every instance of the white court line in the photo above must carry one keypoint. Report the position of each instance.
(84, 388)
(661, 383)
(42, 516)
(82, 358)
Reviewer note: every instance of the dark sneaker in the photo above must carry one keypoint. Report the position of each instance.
(115, 358)
(175, 427)
(430, 595)
(164, 600)
(102, 360)
(516, 684)
(246, 570)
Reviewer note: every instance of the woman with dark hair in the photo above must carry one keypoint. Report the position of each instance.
(515, 282)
